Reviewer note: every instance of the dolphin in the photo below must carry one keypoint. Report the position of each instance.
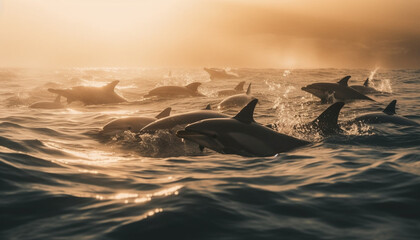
(327, 92)
(49, 105)
(326, 123)
(388, 115)
(134, 124)
(180, 120)
(238, 100)
(216, 73)
(238, 89)
(365, 88)
(176, 91)
(91, 95)
(239, 135)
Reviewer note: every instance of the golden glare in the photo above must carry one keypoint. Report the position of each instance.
(237, 33)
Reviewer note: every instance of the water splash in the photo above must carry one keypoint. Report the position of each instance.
(372, 73)
(384, 86)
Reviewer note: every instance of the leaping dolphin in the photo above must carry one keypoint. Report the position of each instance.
(176, 91)
(49, 105)
(91, 95)
(134, 124)
(365, 88)
(238, 100)
(327, 92)
(239, 135)
(237, 90)
(388, 115)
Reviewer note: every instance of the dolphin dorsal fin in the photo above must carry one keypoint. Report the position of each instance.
(390, 109)
(58, 99)
(240, 86)
(344, 81)
(110, 86)
(366, 83)
(166, 112)
(328, 119)
(208, 107)
(248, 91)
(193, 86)
(246, 115)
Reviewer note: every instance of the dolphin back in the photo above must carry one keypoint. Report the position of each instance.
(390, 109)
(327, 121)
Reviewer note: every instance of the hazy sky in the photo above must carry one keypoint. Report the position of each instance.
(195, 33)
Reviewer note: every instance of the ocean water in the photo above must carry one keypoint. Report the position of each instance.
(60, 179)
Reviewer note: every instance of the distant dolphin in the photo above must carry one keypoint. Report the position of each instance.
(237, 90)
(91, 95)
(134, 124)
(388, 115)
(180, 120)
(176, 91)
(49, 105)
(327, 92)
(216, 73)
(239, 135)
(238, 100)
(365, 88)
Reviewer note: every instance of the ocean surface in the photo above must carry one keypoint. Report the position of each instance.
(60, 179)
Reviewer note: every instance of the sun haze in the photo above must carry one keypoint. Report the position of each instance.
(190, 33)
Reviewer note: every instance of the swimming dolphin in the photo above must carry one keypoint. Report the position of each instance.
(238, 89)
(239, 135)
(180, 120)
(49, 105)
(134, 124)
(365, 88)
(388, 115)
(327, 92)
(216, 73)
(238, 100)
(91, 95)
(326, 123)
(176, 91)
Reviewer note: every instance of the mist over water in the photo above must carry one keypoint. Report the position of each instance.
(61, 179)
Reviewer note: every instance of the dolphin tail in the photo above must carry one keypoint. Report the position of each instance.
(366, 83)
(240, 86)
(166, 112)
(390, 109)
(248, 91)
(328, 119)
(193, 86)
(344, 81)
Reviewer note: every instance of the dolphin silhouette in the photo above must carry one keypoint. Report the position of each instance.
(388, 115)
(180, 120)
(91, 95)
(239, 135)
(216, 73)
(237, 90)
(134, 124)
(326, 123)
(190, 90)
(340, 91)
(365, 88)
(238, 100)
